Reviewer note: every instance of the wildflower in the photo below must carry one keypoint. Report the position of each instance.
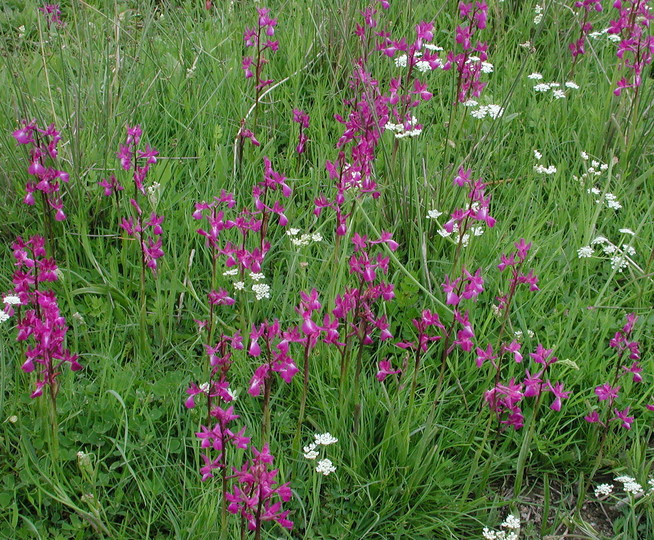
(603, 490)
(636, 369)
(622, 416)
(627, 231)
(325, 439)
(541, 169)
(255, 491)
(110, 186)
(572, 85)
(261, 290)
(301, 118)
(593, 418)
(607, 392)
(220, 298)
(585, 252)
(542, 87)
(52, 14)
(630, 485)
(310, 451)
(559, 394)
(511, 522)
(618, 263)
(434, 214)
(558, 94)
(401, 61)
(486, 354)
(535, 77)
(494, 111)
(487, 67)
(325, 467)
(385, 369)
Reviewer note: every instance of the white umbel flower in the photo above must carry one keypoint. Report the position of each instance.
(310, 451)
(603, 490)
(325, 467)
(325, 439)
(261, 290)
(511, 522)
(585, 252)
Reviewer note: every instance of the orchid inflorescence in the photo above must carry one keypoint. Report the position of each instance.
(40, 317)
(257, 495)
(147, 231)
(469, 63)
(577, 47)
(43, 153)
(627, 365)
(636, 46)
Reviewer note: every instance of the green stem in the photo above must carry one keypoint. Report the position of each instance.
(303, 398)
(524, 448)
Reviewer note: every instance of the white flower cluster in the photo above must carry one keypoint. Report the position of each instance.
(609, 199)
(520, 336)
(402, 131)
(603, 490)
(9, 300)
(303, 239)
(486, 67)
(630, 485)
(154, 192)
(325, 439)
(400, 61)
(434, 214)
(585, 252)
(555, 87)
(511, 523)
(597, 168)
(456, 236)
(421, 65)
(605, 33)
(538, 10)
(620, 257)
(491, 111)
(260, 290)
(325, 466)
(541, 169)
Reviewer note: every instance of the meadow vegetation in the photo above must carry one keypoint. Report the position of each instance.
(326, 269)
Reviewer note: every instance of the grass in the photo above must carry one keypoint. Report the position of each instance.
(429, 466)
